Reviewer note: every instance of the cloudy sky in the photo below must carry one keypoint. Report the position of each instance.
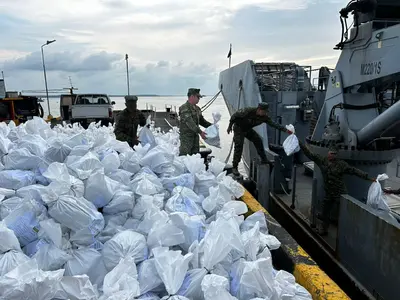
(172, 44)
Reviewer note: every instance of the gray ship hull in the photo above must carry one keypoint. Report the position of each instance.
(290, 184)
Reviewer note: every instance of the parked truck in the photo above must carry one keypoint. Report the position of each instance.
(87, 108)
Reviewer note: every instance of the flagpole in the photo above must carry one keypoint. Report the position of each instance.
(127, 71)
(230, 54)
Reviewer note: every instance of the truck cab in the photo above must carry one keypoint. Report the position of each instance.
(87, 108)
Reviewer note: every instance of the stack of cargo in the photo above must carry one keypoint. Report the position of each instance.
(84, 216)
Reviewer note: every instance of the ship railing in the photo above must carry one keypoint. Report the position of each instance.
(282, 76)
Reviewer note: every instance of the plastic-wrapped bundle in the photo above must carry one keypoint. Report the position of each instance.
(111, 208)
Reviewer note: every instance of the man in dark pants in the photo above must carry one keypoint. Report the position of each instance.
(128, 121)
(332, 170)
(243, 122)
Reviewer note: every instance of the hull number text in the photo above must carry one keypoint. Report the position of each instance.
(372, 68)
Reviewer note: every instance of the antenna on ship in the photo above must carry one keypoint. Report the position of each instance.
(71, 89)
(127, 71)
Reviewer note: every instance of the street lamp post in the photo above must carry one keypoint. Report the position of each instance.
(45, 79)
(127, 72)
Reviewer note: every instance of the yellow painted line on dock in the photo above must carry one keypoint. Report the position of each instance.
(306, 271)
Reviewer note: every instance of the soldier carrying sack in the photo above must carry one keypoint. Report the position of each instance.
(243, 122)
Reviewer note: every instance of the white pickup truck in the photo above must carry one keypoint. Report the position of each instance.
(87, 108)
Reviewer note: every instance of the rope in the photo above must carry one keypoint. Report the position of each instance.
(211, 101)
(230, 150)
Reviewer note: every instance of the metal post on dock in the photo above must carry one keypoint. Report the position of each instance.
(294, 178)
(279, 133)
(127, 72)
(313, 218)
(4, 82)
(45, 78)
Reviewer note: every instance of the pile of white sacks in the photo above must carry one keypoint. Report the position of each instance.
(83, 216)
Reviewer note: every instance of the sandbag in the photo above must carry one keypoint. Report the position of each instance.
(291, 143)
(212, 132)
(125, 244)
(376, 198)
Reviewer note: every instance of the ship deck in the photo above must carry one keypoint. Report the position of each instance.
(303, 194)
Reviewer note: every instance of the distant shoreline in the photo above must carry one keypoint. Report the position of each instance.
(114, 96)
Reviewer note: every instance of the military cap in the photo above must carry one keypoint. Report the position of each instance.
(193, 92)
(333, 148)
(131, 98)
(263, 106)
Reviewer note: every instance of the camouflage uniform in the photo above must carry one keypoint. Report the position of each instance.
(332, 173)
(189, 130)
(243, 122)
(127, 123)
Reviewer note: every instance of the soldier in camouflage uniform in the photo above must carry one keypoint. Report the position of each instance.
(332, 170)
(243, 122)
(190, 119)
(128, 121)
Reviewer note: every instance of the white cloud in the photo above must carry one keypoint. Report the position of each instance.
(11, 54)
(185, 34)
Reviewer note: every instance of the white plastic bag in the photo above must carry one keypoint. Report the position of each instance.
(86, 261)
(122, 278)
(186, 180)
(291, 143)
(26, 281)
(76, 214)
(8, 239)
(11, 260)
(216, 166)
(183, 200)
(122, 201)
(24, 221)
(203, 181)
(256, 280)
(84, 166)
(146, 136)
(376, 198)
(100, 189)
(193, 227)
(172, 268)
(218, 196)
(16, 179)
(148, 277)
(216, 287)
(57, 152)
(218, 242)
(8, 205)
(125, 244)
(76, 287)
(212, 132)
(69, 187)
